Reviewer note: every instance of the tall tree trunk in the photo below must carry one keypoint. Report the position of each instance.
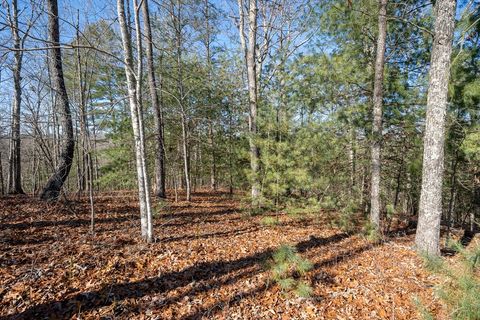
(14, 171)
(211, 140)
(352, 154)
(213, 160)
(250, 60)
(152, 85)
(476, 201)
(427, 237)
(52, 189)
(186, 162)
(82, 159)
(375, 205)
(177, 24)
(451, 201)
(2, 191)
(137, 118)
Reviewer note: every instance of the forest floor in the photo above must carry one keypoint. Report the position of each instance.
(208, 261)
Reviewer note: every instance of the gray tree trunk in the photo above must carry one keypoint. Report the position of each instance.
(427, 238)
(14, 171)
(2, 191)
(177, 24)
(211, 139)
(250, 60)
(152, 85)
(82, 159)
(52, 189)
(137, 117)
(375, 205)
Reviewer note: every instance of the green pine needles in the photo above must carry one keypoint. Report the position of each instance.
(269, 221)
(461, 290)
(287, 268)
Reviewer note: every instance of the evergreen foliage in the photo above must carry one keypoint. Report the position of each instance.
(287, 267)
(461, 289)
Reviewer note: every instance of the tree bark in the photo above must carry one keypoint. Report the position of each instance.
(52, 189)
(208, 41)
(177, 24)
(82, 158)
(152, 85)
(375, 205)
(2, 191)
(250, 60)
(137, 117)
(14, 171)
(427, 237)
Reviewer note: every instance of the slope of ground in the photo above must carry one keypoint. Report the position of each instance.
(208, 261)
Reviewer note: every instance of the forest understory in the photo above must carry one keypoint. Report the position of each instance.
(208, 261)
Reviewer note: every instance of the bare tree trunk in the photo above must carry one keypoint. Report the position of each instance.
(375, 205)
(2, 190)
(352, 154)
(211, 140)
(89, 169)
(213, 160)
(152, 82)
(427, 237)
(475, 214)
(250, 60)
(137, 117)
(451, 201)
(177, 24)
(52, 189)
(82, 159)
(186, 162)
(14, 171)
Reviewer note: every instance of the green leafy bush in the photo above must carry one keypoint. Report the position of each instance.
(287, 267)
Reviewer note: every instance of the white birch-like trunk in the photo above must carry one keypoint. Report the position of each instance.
(134, 96)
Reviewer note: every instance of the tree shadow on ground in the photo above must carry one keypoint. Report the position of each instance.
(13, 240)
(171, 221)
(220, 234)
(202, 213)
(74, 223)
(204, 273)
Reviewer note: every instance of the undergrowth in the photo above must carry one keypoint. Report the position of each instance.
(287, 268)
(269, 221)
(461, 289)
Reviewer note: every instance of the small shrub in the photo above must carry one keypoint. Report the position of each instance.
(303, 290)
(303, 211)
(370, 232)
(261, 206)
(328, 203)
(432, 263)
(287, 266)
(345, 222)
(269, 221)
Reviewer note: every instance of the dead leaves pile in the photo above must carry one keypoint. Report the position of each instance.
(207, 262)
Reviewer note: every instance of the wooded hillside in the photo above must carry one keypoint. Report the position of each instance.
(183, 159)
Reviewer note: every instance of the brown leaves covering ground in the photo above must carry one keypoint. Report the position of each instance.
(207, 262)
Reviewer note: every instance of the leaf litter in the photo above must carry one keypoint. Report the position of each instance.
(207, 262)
